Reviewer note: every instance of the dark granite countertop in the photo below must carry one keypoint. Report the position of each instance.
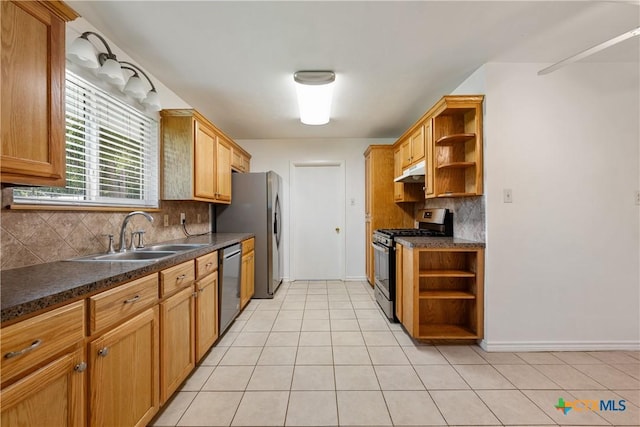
(438, 242)
(30, 289)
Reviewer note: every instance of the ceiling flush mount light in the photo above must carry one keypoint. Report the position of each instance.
(83, 53)
(314, 90)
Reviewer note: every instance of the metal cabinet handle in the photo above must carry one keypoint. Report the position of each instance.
(104, 351)
(33, 346)
(80, 367)
(131, 300)
(201, 289)
(180, 277)
(208, 265)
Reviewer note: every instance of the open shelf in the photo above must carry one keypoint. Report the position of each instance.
(457, 165)
(446, 295)
(447, 273)
(459, 138)
(445, 331)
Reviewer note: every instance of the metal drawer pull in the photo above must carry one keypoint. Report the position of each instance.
(103, 351)
(180, 277)
(130, 300)
(33, 346)
(80, 367)
(208, 265)
(201, 289)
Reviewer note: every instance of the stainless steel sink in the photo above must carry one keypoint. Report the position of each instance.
(137, 256)
(175, 247)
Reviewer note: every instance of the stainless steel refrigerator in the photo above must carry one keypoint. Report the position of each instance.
(256, 208)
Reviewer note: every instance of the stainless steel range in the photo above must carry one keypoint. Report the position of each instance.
(431, 223)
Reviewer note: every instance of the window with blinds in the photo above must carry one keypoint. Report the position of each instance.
(111, 152)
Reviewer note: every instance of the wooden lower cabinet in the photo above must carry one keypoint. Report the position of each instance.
(54, 395)
(123, 373)
(247, 274)
(177, 318)
(206, 314)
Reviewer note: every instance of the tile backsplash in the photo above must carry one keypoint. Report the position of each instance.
(31, 237)
(468, 215)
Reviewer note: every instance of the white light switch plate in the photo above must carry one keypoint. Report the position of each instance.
(507, 195)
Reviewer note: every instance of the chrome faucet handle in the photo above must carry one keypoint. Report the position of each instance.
(140, 234)
(111, 249)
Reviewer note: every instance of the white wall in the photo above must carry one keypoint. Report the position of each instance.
(277, 155)
(563, 260)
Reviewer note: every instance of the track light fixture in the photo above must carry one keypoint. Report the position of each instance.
(83, 53)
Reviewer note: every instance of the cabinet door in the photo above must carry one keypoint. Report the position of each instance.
(428, 178)
(244, 281)
(405, 152)
(368, 251)
(207, 314)
(32, 119)
(417, 145)
(177, 357)
(399, 289)
(205, 146)
(223, 171)
(398, 187)
(51, 396)
(251, 276)
(123, 373)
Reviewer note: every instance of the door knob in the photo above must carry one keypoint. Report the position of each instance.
(337, 229)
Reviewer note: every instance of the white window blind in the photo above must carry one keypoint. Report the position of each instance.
(111, 152)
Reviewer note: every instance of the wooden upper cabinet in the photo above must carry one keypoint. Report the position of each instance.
(240, 159)
(32, 106)
(196, 158)
(413, 148)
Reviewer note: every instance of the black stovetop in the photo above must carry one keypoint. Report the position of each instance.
(408, 232)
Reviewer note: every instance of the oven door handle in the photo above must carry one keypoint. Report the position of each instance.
(380, 247)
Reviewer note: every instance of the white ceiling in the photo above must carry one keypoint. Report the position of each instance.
(234, 60)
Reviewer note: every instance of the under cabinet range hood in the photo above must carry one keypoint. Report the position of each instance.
(413, 174)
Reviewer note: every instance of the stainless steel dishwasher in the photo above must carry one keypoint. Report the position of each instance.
(229, 288)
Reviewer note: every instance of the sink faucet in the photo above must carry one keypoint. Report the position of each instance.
(123, 228)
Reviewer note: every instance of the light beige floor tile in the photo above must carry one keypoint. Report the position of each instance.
(269, 305)
(404, 339)
(540, 358)
(312, 408)
(264, 315)
(424, 355)
(500, 358)
(379, 338)
(316, 325)
(632, 369)
(347, 338)
(440, 377)
(278, 356)
(387, 356)
(461, 407)
(316, 314)
(313, 378)
(293, 306)
(314, 356)
(363, 303)
(398, 378)
(259, 325)
(629, 417)
(613, 357)
(356, 378)
(172, 411)
(362, 408)
(342, 304)
(286, 325)
(547, 401)
(513, 407)
(634, 354)
(262, 408)
(481, 377)
(412, 408)
(227, 339)
(609, 377)
(198, 377)
(211, 409)
(461, 355)
(368, 313)
(311, 338)
(526, 377)
(632, 396)
(568, 377)
(576, 357)
(373, 324)
(317, 305)
(237, 325)
(344, 325)
(290, 314)
(241, 356)
(351, 355)
(319, 297)
(250, 339)
(214, 356)
(271, 378)
(283, 339)
(229, 378)
(342, 313)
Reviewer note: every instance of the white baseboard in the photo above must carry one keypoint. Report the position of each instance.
(526, 346)
(355, 279)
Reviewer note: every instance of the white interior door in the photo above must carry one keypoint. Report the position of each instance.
(317, 219)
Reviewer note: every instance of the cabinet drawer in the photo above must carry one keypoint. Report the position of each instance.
(247, 245)
(112, 306)
(206, 264)
(176, 277)
(27, 343)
